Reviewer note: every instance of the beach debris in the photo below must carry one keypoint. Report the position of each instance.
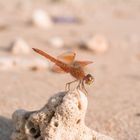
(66, 19)
(12, 63)
(97, 44)
(20, 46)
(41, 19)
(62, 118)
(56, 42)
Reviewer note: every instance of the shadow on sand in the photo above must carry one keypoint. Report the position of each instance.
(6, 127)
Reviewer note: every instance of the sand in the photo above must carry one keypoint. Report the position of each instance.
(114, 106)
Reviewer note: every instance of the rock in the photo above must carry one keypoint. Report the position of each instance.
(62, 118)
(19, 46)
(97, 44)
(41, 19)
(66, 19)
(56, 42)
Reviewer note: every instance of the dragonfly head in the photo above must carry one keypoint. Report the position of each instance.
(88, 79)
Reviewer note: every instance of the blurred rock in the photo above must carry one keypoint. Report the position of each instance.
(62, 118)
(56, 42)
(41, 19)
(97, 44)
(19, 46)
(17, 116)
(67, 19)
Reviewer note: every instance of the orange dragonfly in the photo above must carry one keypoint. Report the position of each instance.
(67, 64)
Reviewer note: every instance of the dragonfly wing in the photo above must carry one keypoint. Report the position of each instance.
(57, 69)
(67, 57)
(84, 63)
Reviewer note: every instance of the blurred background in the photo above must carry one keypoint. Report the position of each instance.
(104, 31)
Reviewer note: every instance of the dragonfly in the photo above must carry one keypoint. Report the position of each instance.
(66, 63)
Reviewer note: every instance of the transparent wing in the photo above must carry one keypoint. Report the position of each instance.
(84, 63)
(57, 69)
(67, 57)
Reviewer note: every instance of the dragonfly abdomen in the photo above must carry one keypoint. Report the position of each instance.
(63, 66)
(59, 63)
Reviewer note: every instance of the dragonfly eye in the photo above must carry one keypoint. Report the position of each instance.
(89, 79)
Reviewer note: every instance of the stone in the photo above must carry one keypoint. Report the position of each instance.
(56, 42)
(62, 118)
(97, 44)
(20, 46)
(41, 19)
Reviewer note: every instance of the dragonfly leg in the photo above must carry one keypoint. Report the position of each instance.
(67, 87)
(83, 87)
(79, 85)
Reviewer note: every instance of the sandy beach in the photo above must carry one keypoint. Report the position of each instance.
(114, 98)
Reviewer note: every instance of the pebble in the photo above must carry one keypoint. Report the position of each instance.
(41, 19)
(97, 44)
(56, 42)
(19, 46)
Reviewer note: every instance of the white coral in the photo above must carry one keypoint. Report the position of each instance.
(62, 118)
